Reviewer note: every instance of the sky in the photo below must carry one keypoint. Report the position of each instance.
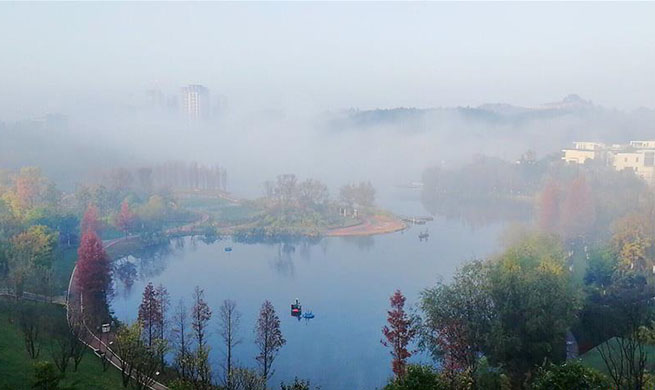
(55, 57)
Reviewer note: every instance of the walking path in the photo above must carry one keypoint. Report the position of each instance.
(75, 305)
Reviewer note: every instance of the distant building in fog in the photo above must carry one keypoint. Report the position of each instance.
(156, 98)
(638, 157)
(195, 102)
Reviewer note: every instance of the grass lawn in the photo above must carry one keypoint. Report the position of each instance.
(222, 210)
(16, 366)
(63, 267)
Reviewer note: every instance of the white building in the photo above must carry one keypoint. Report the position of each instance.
(638, 157)
(195, 102)
(583, 151)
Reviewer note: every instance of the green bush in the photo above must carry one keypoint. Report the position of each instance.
(569, 376)
(418, 377)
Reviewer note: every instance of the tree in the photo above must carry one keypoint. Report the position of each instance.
(60, 343)
(139, 363)
(286, 189)
(633, 242)
(621, 314)
(229, 321)
(30, 324)
(362, 194)
(312, 193)
(457, 318)
(268, 338)
(578, 211)
(534, 304)
(78, 348)
(93, 276)
(90, 221)
(548, 207)
(182, 360)
(31, 253)
(128, 344)
(126, 218)
(163, 302)
(399, 333)
(150, 314)
(569, 376)
(201, 314)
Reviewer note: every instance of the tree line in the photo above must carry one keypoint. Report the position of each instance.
(182, 335)
(583, 274)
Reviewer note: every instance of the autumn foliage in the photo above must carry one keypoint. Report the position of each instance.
(90, 221)
(567, 208)
(126, 218)
(93, 273)
(398, 333)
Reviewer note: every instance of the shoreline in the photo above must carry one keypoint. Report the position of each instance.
(370, 226)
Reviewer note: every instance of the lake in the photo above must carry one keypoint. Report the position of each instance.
(346, 282)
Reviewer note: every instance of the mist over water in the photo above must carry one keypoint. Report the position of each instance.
(455, 113)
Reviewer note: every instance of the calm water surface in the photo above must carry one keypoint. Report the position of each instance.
(346, 282)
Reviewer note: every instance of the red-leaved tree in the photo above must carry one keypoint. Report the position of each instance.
(126, 217)
(578, 209)
(93, 275)
(90, 221)
(399, 333)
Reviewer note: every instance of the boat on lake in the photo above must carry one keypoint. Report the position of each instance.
(228, 249)
(296, 309)
(308, 315)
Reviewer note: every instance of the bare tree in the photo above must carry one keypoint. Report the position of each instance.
(78, 348)
(163, 301)
(60, 344)
(268, 338)
(30, 324)
(201, 314)
(625, 355)
(181, 340)
(229, 321)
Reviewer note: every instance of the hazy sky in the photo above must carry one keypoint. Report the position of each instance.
(326, 55)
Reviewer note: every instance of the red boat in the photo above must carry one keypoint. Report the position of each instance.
(296, 309)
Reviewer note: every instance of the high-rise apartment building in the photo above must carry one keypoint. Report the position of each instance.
(195, 102)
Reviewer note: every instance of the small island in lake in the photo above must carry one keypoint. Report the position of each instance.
(293, 208)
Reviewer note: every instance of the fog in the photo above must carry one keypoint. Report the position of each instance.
(394, 145)
(294, 87)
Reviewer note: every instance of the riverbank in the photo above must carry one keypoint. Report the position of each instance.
(373, 225)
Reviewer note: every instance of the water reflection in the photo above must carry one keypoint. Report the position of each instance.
(283, 262)
(334, 277)
(478, 212)
(361, 242)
